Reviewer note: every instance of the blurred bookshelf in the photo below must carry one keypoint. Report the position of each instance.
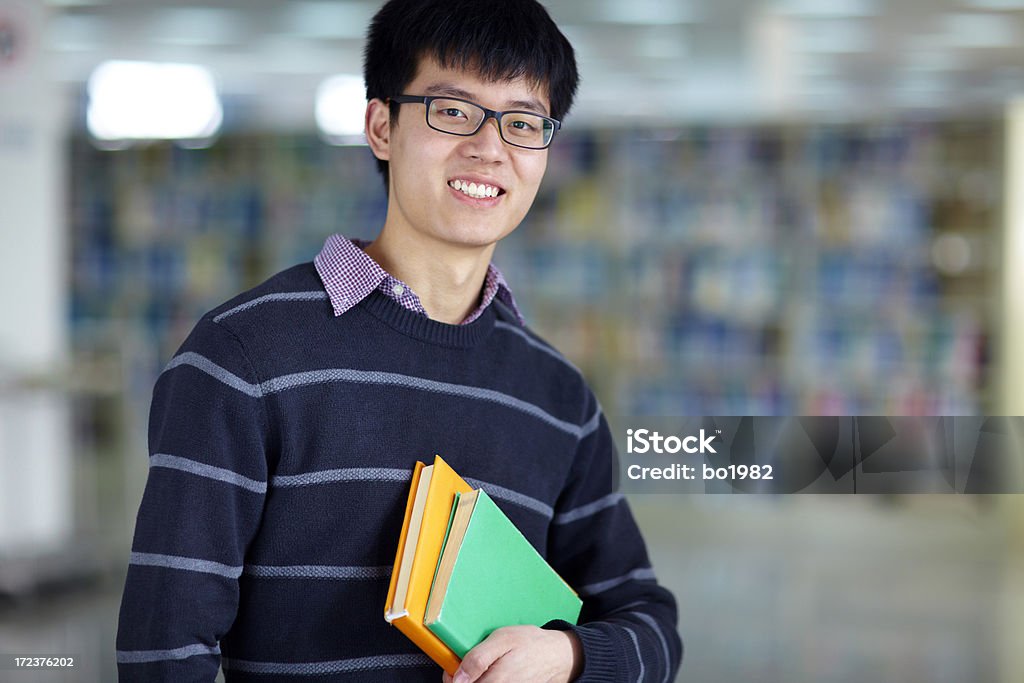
(760, 270)
(772, 270)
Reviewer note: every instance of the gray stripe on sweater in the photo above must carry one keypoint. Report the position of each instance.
(299, 379)
(611, 500)
(602, 586)
(377, 662)
(280, 296)
(402, 475)
(628, 606)
(591, 426)
(315, 571)
(515, 329)
(595, 419)
(190, 564)
(217, 372)
(144, 656)
(338, 475)
(520, 499)
(650, 621)
(639, 657)
(200, 469)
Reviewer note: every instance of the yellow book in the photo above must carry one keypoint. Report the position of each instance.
(431, 497)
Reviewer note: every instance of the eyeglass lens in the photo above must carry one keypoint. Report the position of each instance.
(464, 118)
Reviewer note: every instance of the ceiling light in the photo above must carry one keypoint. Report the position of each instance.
(152, 101)
(341, 109)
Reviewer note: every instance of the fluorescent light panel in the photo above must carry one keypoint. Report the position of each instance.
(152, 101)
(341, 108)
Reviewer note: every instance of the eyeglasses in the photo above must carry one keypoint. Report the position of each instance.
(461, 117)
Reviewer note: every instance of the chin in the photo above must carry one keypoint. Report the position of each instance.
(473, 236)
(474, 242)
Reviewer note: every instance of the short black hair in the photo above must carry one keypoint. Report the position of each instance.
(498, 40)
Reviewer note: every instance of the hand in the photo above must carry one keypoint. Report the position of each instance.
(514, 654)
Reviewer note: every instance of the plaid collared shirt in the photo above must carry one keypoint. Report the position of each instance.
(349, 275)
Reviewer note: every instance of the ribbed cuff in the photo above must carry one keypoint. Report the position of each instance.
(603, 657)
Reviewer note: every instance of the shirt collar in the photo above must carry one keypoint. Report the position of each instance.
(349, 275)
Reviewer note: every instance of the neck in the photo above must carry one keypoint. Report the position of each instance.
(448, 279)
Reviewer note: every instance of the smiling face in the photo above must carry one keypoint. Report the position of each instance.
(449, 190)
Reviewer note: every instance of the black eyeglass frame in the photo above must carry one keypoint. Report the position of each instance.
(488, 114)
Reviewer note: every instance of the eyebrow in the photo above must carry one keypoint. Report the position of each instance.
(455, 91)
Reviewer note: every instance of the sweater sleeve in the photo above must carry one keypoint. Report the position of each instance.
(209, 438)
(627, 627)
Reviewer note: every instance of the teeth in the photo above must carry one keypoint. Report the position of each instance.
(474, 190)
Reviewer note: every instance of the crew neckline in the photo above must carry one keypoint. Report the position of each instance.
(421, 327)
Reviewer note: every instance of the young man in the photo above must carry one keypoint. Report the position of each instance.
(283, 433)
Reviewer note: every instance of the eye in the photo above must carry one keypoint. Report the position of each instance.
(452, 113)
(522, 126)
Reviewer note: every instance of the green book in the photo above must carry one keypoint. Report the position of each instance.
(490, 576)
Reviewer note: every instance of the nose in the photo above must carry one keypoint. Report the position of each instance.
(486, 144)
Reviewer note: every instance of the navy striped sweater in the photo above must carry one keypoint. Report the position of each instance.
(282, 440)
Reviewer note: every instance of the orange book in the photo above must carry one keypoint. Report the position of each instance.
(431, 496)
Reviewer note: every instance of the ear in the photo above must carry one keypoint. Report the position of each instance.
(378, 128)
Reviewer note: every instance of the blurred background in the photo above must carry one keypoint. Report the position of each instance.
(774, 207)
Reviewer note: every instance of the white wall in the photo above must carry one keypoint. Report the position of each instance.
(1012, 378)
(35, 455)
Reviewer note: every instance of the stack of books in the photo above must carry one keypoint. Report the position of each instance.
(462, 570)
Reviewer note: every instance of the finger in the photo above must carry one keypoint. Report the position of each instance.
(506, 670)
(445, 678)
(480, 658)
(533, 658)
